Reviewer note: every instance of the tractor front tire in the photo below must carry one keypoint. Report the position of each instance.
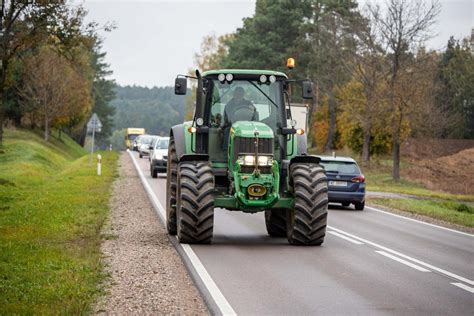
(306, 222)
(171, 180)
(275, 220)
(195, 205)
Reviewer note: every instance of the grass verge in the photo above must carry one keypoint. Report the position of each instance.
(379, 178)
(449, 211)
(52, 207)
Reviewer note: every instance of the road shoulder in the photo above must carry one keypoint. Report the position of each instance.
(146, 273)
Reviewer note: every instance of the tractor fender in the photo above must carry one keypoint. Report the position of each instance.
(177, 133)
(305, 159)
(194, 157)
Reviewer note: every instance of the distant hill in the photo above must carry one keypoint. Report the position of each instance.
(155, 109)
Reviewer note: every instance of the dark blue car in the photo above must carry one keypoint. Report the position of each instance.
(346, 182)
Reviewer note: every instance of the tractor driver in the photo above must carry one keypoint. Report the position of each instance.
(237, 109)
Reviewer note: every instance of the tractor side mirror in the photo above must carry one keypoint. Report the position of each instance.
(307, 90)
(180, 86)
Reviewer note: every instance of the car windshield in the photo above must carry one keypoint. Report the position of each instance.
(341, 167)
(245, 100)
(146, 140)
(162, 144)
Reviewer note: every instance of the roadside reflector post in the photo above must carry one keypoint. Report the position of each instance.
(99, 158)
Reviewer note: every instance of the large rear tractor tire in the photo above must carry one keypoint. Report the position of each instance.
(306, 222)
(171, 180)
(275, 221)
(195, 206)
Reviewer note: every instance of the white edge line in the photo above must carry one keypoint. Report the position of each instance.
(464, 287)
(420, 222)
(207, 280)
(411, 265)
(346, 238)
(427, 265)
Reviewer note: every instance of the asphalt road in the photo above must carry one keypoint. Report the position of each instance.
(371, 262)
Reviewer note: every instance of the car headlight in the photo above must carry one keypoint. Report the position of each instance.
(249, 160)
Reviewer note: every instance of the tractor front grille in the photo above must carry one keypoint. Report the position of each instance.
(244, 145)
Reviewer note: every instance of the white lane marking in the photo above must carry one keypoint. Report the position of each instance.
(411, 265)
(207, 280)
(464, 287)
(419, 222)
(346, 238)
(422, 263)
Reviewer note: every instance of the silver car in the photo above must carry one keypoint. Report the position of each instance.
(144, 146)
(158, 156)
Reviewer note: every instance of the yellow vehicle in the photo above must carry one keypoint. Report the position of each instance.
(131, 134)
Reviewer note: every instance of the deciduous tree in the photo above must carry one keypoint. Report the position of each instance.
(403, 25)
(53, 91)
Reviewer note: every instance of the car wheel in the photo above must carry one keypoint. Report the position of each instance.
(359, 206)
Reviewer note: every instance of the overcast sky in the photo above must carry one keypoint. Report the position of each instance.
(156, 39)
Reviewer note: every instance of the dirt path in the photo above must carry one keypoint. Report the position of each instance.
(147, 274)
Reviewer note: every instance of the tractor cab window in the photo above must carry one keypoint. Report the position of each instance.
(241, 100)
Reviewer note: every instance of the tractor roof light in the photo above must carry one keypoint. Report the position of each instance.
(221, 77)
(263, 78)
(229, 77)
(290, 63)
(272, 79)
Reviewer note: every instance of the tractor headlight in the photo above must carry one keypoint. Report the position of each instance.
(264, 160)
(249, 160)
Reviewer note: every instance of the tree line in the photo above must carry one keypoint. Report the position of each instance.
(52, 69)
(376, 82)
(156, 109)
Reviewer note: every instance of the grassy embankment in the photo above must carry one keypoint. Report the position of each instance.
(453, 208)
(439, 205)
(435, 204)
(52, 207)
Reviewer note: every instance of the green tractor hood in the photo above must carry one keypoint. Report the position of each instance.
(247, 129)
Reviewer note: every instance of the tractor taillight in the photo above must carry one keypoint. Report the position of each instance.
(359, 179)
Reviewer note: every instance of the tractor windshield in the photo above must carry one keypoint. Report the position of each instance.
(242, 100)
(245, 100)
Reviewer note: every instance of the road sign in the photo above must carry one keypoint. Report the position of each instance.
(94, 124)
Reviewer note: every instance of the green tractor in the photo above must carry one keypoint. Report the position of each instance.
(242, 152)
